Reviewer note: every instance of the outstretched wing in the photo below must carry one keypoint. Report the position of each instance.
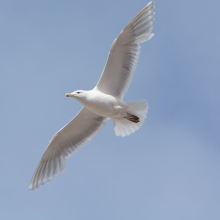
(65, 143)
(124, 53)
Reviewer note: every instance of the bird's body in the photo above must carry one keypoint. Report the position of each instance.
(102, 104)
(105, 101)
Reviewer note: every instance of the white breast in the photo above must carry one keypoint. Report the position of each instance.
(103, 104)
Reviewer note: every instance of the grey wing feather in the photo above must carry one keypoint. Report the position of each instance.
(124, 53)
(65, 143)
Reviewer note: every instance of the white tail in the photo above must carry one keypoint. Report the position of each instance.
(124, 127)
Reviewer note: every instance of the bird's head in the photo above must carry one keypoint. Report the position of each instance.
(78, 94)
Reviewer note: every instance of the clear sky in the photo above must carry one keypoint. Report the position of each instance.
(169, 169)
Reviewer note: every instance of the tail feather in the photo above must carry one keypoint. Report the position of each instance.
(133, 121)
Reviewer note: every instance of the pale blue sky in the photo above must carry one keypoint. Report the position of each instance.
(169, 169)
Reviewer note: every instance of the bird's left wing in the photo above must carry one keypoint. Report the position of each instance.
(65, 143)
(124, 53)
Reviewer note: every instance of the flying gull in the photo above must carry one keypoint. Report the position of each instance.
(103, 102)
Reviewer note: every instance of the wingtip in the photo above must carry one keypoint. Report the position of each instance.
(151, 2)
(31, 187)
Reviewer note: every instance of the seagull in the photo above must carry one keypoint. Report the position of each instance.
(104, 102)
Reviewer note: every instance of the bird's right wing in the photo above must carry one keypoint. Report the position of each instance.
(65, 143)
(124, 53)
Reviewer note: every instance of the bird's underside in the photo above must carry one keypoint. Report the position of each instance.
(114, 81)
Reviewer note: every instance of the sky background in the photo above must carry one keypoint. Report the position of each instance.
(169, 169)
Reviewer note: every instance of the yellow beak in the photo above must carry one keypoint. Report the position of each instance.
(69, 95)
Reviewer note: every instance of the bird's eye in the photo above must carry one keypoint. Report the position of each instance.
(78, 92)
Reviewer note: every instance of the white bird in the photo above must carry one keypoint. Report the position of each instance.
(103, 102)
